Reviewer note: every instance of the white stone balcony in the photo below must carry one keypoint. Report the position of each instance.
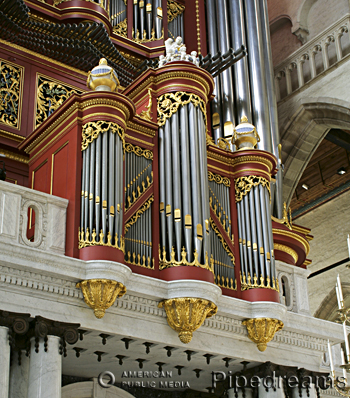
(314, 59)
(18, 205)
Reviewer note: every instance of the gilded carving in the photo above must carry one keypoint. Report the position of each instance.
(50, 95)
(262, 330)
(86, 239)
(286, 249)
(219, 179)
(100, 294)
(121, 28)
(186, 315)
(243, 185)
(247, 282)
(222, 240)
(168, 104)
(11, 86)
(92, 130)
(137, 259)
(174, 10)
(146, 153)
(164, 263)
(147, 115)
(137, 215)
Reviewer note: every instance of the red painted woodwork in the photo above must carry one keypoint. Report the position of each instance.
(101, 253)
(183, 272)
(261, 294)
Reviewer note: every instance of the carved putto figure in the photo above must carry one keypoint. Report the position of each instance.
(176, 51)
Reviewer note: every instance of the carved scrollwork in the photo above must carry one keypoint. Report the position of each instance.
(20, 325)
(121, 28)
(168, 104)
(71, 335)
(137, 215)
(219, 179)
(222, 240)
(174, 10)
(92, 130)
(243, 185)
(50, 95)
(146, 153)
(11, 82)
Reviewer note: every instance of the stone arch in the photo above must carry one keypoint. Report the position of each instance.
(305, 131)
(91, 389)
(329, 306)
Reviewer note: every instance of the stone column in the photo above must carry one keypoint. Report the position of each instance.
(4, 362)
(270, 392)
(19, 375)
(45, 369)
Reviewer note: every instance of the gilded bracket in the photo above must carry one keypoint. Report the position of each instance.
(100, 294)
(243, 185)
(186, 315)
(262, 330)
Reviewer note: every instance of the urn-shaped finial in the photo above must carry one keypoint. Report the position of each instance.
(103, 77)
(245, 135)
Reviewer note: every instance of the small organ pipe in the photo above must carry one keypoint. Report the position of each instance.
(142, 19)
(87, 181)
(254, 242)
(272, 252)
(265, 231)
(162, 187)
(83, 193)
(111, 169)
(97, 187)
(136, 19)
(259, 230)
(118, 185)
(245, 202)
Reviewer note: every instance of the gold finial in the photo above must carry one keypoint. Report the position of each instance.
(244, 119)
(103, 61)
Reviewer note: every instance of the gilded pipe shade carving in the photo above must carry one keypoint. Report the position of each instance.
(243, 185)
(92, 130)
(11, 86)
(50, 95)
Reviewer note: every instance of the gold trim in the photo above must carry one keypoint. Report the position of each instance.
(292, 235)
(146, 153)
(147, 115)
(247, 283)
(137, 215)
(164, 263)
(185, 315)
(262, 330)
(198, 28)
(243, 185)
(168, 104)
(219, 179)
(141, 130)
(11, 136)
(14, 156)
(84, 239)
(130, 137)
(148, 264)
(92, 130)
(286, 249)
(100, 294)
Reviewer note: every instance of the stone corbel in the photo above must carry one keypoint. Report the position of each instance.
(262, 330)
(185, 315)
(301, 33)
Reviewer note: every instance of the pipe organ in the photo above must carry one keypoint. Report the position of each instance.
(147, 20)
(184, 207)
(102, 185)
(117, 11)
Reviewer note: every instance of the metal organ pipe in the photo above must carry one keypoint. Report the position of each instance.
(186, 181)
(240, 69)
(104, 184)
(169, 208)
(226, 76)
(257, 74)
(92, 187)
(162, 187)
(213, 48)
(97, 187)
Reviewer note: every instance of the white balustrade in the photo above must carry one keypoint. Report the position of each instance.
(305, 59)
(18, 204)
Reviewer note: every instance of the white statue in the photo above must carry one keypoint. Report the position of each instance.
(176, 51)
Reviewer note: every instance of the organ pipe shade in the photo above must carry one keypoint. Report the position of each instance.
(102, 197)
(183, 174)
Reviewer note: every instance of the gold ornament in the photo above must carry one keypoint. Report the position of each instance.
(100, 294)
(92, 130)
(243, 185)
(185, 315)
(262, 330)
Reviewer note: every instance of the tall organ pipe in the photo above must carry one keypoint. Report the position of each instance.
(87, 182)
(186, 181)
(158, 21)
(136, 19)
(226, 76)
(162, 187)
(118, 186)
(83, 192)
(92, 186)
(175, 142)
(104, 183)
(97, 187)
(204, 179)
(260, 241)
(195, 173)
(265, 231)
(240, 69)
(271, 96)
(257, 74)
(213, 48)
(169, 208)
(111, 205)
